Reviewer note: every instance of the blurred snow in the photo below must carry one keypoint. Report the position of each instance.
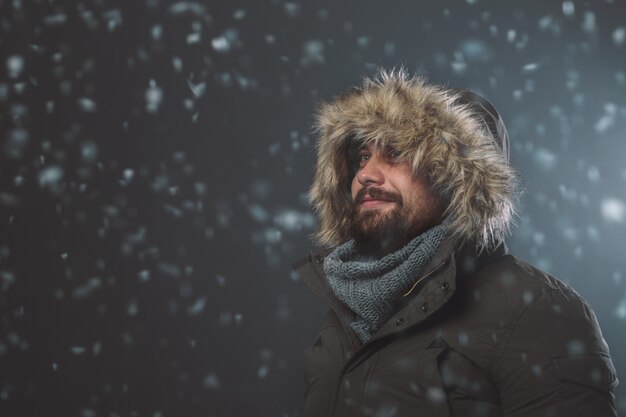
(16, 143)
(228, 40)
(258, 213)
(619, 36)
(193, 38)
(87, 104)
(144, 275)
(89, 151)
(55, 19)
(476, 49)
(7, 278)
(593, 173)
(545, 159)
(613, 210)
(113, 18)
(197, 307)
(608, 119)
(220, 280)
(50, 176)
(313, 52)
(531, 67)
(221, 44)
(15, 65)
(620, 311)
(589, 22)
(154, 97)
(187, 6)
(292, 220)
(211, 381)
(78, 350)
(292, 9)
(197, 89)
(568, 8)
(157, 160)
(86, 290)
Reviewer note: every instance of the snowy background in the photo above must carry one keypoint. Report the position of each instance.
(154, 163)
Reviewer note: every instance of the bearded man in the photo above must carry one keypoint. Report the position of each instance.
(429, 313)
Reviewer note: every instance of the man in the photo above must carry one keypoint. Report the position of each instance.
(430, 316)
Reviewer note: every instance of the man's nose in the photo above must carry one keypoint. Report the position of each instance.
(371, 173)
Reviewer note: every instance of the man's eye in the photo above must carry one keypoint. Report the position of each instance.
(395, 153)
(364, 157)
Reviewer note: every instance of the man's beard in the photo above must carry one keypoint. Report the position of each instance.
(378, 232)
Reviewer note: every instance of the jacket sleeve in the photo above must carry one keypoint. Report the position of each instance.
(556, 362)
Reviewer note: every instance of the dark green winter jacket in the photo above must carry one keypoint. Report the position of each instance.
(487, 335)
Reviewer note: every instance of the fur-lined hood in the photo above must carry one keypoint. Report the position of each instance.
(453, 137)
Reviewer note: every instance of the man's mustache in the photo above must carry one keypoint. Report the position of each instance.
(375, 193)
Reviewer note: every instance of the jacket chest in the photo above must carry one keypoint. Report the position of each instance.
(396, 376)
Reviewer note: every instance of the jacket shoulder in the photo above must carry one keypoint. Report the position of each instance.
(540, 312)
(518, 283)
(554, 348)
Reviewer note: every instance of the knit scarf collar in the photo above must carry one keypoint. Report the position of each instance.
(371, 287)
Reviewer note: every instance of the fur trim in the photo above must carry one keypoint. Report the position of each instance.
(443, 140)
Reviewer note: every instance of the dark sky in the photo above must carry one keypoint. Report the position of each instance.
(154, 163)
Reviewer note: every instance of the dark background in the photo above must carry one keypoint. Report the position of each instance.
(154, 163)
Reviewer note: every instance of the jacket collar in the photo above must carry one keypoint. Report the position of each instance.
(450, 264)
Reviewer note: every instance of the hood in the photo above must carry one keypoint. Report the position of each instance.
(453, 137)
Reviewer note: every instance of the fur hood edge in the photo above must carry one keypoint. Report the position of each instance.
(448, 142)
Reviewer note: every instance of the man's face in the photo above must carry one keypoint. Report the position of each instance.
(391, 206)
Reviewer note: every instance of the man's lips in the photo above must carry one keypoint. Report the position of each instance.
(374, 202)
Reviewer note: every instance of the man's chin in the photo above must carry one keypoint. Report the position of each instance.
(379, 231)
(374, 217)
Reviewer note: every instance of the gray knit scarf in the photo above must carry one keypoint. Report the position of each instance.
(370, 286)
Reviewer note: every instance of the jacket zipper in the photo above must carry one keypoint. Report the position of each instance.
(438, 267)
(442, 263)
